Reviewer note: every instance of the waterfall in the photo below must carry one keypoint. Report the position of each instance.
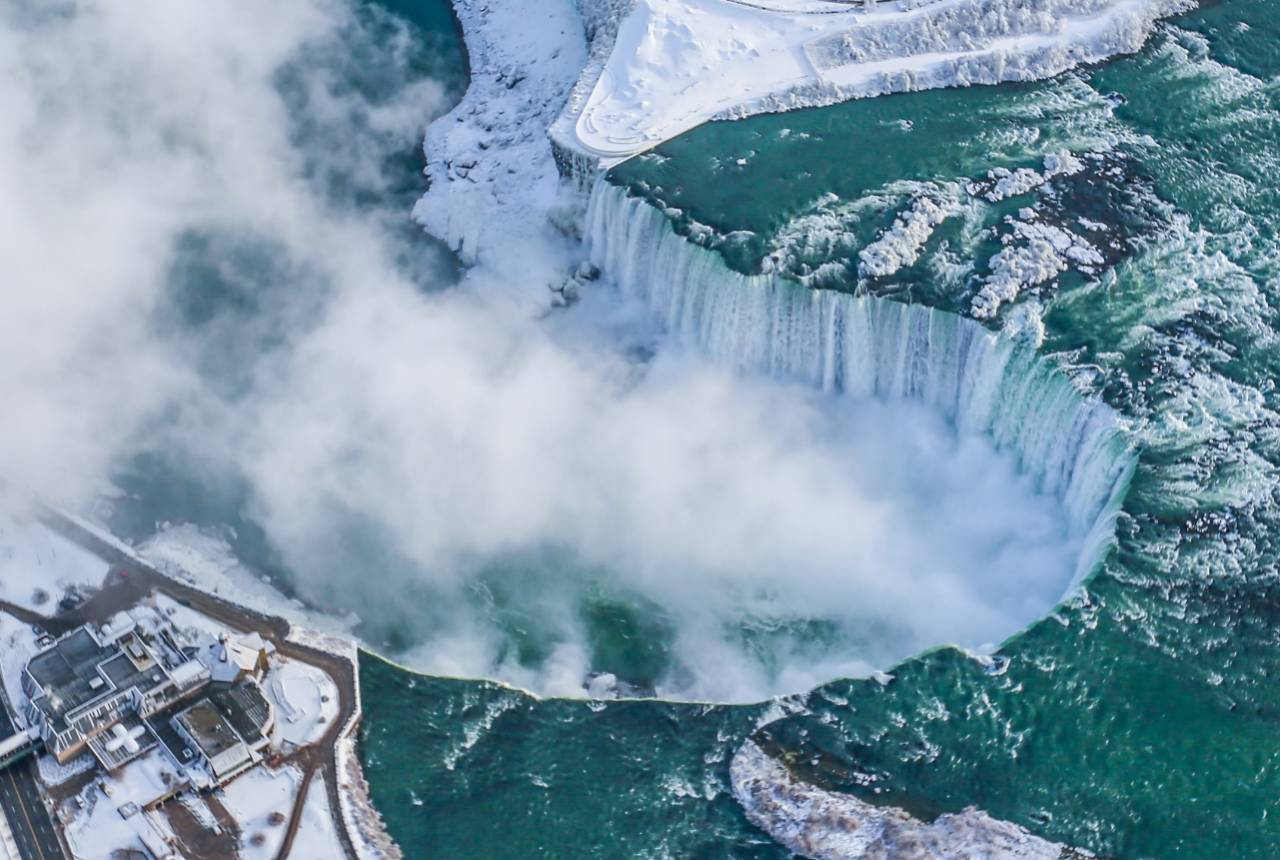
(861, 346)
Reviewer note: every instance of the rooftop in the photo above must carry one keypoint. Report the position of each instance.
(209, 728)
(245, 709)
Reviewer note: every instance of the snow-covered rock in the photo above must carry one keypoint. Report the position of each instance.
(494, 179)
(1035, 252)
(901, 244)
(827, 825)
(1002, 183)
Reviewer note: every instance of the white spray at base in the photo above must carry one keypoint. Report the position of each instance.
(864, 346)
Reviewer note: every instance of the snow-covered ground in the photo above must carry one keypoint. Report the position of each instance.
(676, 64)
(305, 699)
(53, 773)
(17, 646)
(261, 801)
(317, 836)
(38, 565)
(107, 819)
(206, 561)
(824, 825)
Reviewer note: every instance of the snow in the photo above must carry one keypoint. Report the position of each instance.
(676, 64)
(38, 565)
(8, 848)
(252, 799)
(143, 780)
(17, 647)
(98, 830)
(98, 826)
(193, 626)
(1034, 253)
(207, 562)
(199, 809)
(494, 180)
(337, 645)
(54, 773)
(305, 699)
(901, 244)
(1002, 183)
(826, 825)
(363, 822)
(317, 836)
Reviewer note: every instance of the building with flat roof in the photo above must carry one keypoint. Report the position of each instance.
(92, 679)
(133, 684)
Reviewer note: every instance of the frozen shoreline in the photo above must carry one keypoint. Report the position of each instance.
(494, 181)
(828, 825)
(593, 82)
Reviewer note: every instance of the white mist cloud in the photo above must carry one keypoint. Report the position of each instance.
(191, 262)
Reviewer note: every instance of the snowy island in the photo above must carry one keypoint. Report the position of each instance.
(675, 64)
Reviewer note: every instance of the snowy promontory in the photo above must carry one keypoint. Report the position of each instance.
(589, 83)
(658, 68)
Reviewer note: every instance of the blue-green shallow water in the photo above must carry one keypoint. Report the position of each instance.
(1138, 721)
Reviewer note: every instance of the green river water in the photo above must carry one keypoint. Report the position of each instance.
(1140, 720)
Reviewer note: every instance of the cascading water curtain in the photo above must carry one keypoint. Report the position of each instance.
(865, 346)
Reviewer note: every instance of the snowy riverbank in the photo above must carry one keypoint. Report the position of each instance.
(675, 64)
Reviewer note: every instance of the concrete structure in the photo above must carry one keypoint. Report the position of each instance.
(229, 730)
(135, 683)
(92, 679)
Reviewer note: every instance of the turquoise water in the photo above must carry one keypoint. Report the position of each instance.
(234, 297)
(1140, 719)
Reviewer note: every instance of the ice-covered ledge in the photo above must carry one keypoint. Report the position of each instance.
(827, 825)
(662, 67)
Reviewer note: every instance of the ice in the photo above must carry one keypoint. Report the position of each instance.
(493, 178)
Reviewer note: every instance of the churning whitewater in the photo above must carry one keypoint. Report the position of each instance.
(751, 359)
(866, 346)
